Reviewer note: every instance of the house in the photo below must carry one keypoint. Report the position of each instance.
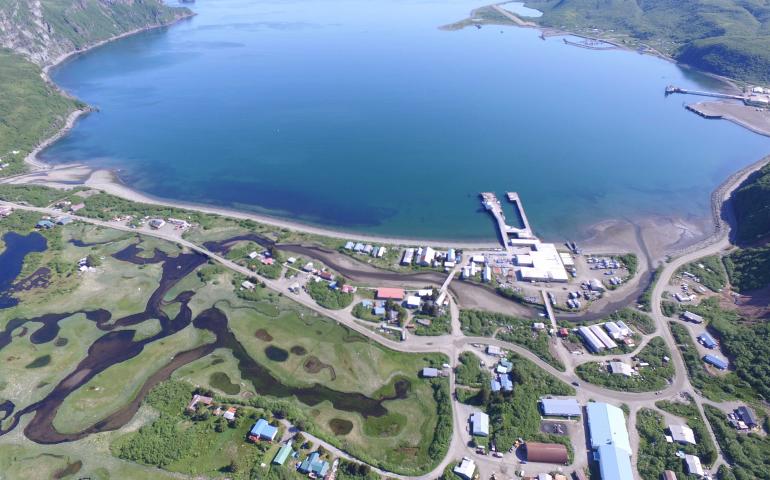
(359, 247)
(77, 206)
(381, 252)
(479, 424)
(253, 255)
(156, 223)
(348, 289)
(682, 434)
(408, 256)
(620, 368)
(504, 366)
(326, 275)
(505, 382)
(5, 211)
(262, 431)
(668, 475)
(747, 415)
(229, 414)
(493, 350)
(560, 407)
(379, 311)
(247, 285)
(283, 454)
(199, 399)
(313, 464)
(349, 245)
(692, 317)
(309, 267)
(429, 372)
(494, 385)
(547, 453)
(63, 220)
(45, 224)
(427, 257)
(368, 249)
(693, 466)
(716, 362)
(390, 293)
(413, 301)
(465, 469)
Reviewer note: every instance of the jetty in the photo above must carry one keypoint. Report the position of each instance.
(671, 89)
(524, 234)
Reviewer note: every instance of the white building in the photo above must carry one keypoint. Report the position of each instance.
(465, 469)
(480, 424)
(620, 368)
(413, 301)
(693, 465)
(408, 256)
(682, 434)
(427, 256)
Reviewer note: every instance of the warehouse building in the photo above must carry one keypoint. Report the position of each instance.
(716, 362)
(693, 465)
(560, 407)
(707, 340)
(591, 340)
(603, 337)
(692, 317)
(609, 440)
(547, 453)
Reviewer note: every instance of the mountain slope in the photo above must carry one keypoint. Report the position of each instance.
(726, 37)
(34, 34)
(43, 30)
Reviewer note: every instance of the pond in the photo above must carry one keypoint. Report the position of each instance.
(12, 260)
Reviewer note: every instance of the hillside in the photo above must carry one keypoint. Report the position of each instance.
(43, 30)
(751, 203)
(34, 34)
(725, 37)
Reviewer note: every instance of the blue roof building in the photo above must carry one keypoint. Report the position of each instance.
(614, 463)
(495, 385)
(716, 361)
(313, 464)
(560, 407)
(609, 440)
(263, 430)
(505, 382)
(379, 310)
(607, 426)
(707, 340)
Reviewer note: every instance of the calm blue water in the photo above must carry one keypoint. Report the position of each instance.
(363, 115)
(12, 259)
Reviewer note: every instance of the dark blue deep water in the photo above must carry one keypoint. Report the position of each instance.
(12, 259)
(364, 116)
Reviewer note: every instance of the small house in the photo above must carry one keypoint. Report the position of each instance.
(682, 434)
(44, 224)
(693, 465)
(262, 431)
(465, 469)
(429, 372)
(283, 454)
(313, 464)
(229, 414)
(199, 399)
(479, 424)
(413, 301)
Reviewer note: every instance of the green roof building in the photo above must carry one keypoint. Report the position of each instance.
(283, 454)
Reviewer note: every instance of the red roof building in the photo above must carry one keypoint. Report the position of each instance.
(390, 293)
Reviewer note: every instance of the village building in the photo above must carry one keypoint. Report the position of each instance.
(262, 431)
(479, 424)
(547, 453)
(465, 469)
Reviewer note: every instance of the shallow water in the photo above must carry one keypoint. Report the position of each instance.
(365, 116)
(12, 260)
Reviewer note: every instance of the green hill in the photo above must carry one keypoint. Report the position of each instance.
(751, 203)
(726, 37)
(33, 34)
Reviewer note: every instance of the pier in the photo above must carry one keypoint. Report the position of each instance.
(549, 308)
(671, 89)
(492, 205)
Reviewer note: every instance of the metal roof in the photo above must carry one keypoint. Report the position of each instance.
(614, 463)
(480, 424)
(607, 426)
(560, 407)
(716, 361)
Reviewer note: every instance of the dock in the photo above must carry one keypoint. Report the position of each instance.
(671, 89)
(492, 205)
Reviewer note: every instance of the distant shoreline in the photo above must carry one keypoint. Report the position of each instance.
(109, 181)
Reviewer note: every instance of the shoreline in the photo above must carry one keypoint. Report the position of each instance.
(109, 181)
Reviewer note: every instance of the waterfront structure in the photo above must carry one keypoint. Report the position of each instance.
(480, 424)
(609, 441)
(560, 407)
(547, 453)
